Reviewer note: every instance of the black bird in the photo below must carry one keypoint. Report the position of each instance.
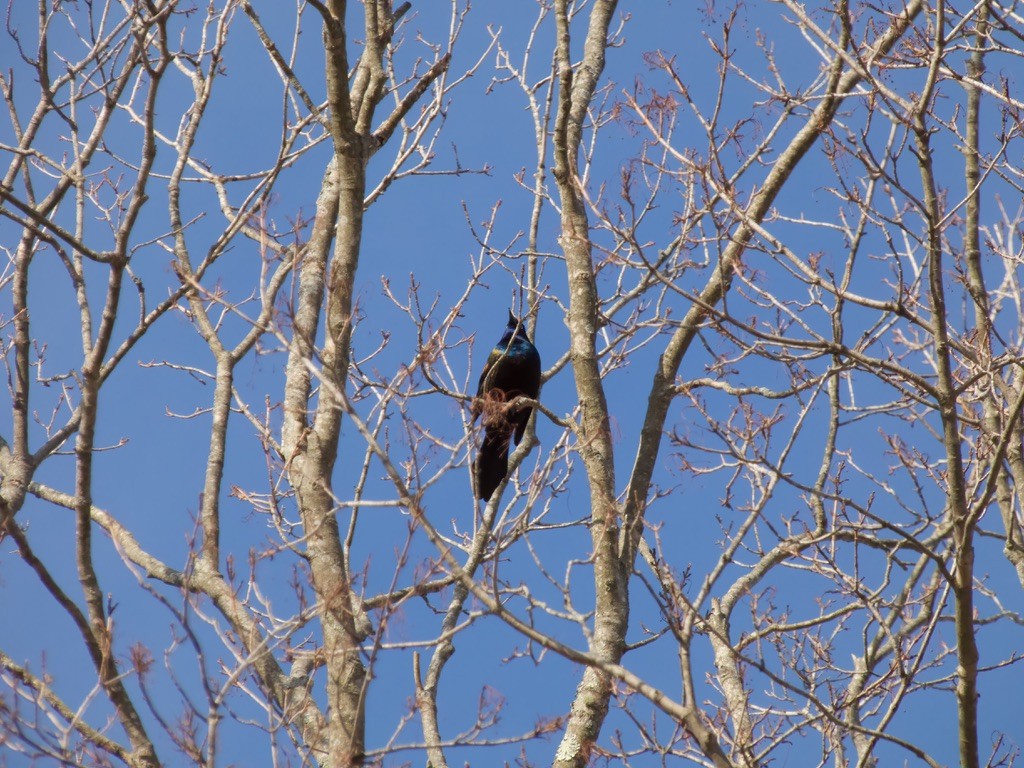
(512, 370)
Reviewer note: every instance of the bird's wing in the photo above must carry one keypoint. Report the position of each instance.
(492, 359)
(477, 407)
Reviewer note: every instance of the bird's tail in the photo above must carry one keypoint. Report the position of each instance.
(492, 462)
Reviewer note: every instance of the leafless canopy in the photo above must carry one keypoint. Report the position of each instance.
(768, 511)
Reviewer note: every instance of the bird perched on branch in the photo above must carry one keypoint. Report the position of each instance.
(512, 370)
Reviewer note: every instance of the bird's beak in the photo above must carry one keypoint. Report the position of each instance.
(512, 318)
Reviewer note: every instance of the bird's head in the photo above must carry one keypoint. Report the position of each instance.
(516, 329)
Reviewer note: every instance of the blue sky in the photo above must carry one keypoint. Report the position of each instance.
(417, 233)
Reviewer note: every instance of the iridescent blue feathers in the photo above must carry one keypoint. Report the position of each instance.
(512, 370)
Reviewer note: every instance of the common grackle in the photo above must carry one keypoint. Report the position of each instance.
(512, 370)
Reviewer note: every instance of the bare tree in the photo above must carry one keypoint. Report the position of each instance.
(804, 261)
